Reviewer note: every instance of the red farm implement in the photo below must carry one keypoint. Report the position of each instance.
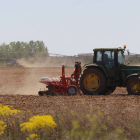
(65, 85)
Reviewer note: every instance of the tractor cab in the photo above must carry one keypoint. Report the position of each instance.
(108, 57)
(110, 60)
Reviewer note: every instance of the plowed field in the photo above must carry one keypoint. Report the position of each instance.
(19, 87)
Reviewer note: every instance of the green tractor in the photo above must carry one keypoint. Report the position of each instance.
(107, 72)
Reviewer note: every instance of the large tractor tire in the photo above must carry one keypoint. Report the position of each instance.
(133, 86)
(93, 82)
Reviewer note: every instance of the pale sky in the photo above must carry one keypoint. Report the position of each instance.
(70, 27)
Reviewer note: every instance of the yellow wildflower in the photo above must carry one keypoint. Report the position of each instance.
(37, 122)
(88, 116)
(95, 116)
(104, 126)
(5, 110)
(2, 127)
(95, 125)
(72, 113)
(33, 136)
(75, 124)
(119, 131)
(65, 107)
(100, 114)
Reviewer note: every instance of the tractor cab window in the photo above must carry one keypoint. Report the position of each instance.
(120, 57)
(99, 57)
(108, 58)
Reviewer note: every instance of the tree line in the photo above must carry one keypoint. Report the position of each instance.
(23, 50)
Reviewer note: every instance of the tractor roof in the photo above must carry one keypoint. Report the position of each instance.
(108, 49)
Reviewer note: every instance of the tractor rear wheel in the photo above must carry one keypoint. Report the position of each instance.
(93, 82)
(133, 86)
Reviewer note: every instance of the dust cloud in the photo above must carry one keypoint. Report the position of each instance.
(68, 61)
(46, 62)
(25, 81)
(30, 82)
(31, 85)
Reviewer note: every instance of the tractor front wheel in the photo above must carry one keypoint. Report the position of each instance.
(133, 86)
(93, 82)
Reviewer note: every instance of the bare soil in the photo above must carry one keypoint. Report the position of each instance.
(19, 87)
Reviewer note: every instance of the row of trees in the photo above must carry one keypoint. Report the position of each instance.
(23, 50)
